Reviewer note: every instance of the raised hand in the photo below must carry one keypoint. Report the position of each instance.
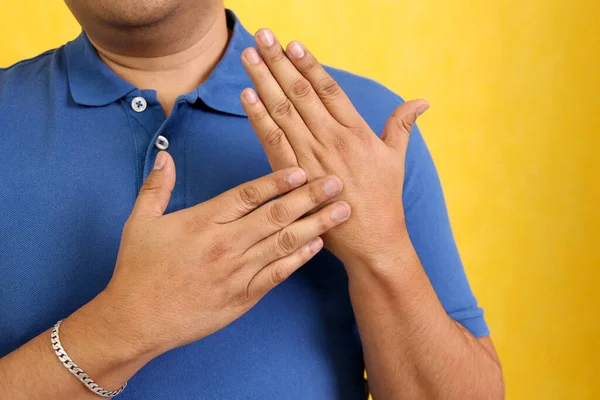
(303, 118)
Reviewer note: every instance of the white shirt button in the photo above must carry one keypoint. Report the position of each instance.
(139, 104)
(161, 143)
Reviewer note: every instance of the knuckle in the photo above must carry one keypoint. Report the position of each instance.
(287, 241)
(310, 66)
(261, 115)
(274, 137)
(278, 56)
(196, 222)
(243, 297)
(301, 88)
(339, 144)
(282, 108)
(327, 87)
(249, 197)
(278, 214)
(403, 124)
(150, 186)
(279, 273)
(219, 248)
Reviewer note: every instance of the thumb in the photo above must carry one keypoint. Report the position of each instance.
(399, 125)
(156, 191)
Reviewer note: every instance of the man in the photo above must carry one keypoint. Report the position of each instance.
(197, 299)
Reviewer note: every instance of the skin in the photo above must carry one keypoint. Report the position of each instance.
(170, 46)
(303, 118)
(147, 28)
(205, 266)
(412, 349)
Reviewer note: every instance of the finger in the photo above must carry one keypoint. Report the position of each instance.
(329, 91)
(276, 102)
(278, 214)
(242, 200)
(296, 87)
(398, 127)
(156, 191)
(289, 239)
(278, 271)
(271, 136)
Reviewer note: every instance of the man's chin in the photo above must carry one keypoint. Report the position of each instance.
(123, 14)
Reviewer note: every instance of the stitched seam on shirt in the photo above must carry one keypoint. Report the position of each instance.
(186, 202)
(138, 184)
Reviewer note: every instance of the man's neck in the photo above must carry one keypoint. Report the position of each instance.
(172, 75)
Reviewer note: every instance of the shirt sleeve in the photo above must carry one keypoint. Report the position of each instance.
(430, 232)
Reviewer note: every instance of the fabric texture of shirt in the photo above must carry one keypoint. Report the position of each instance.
(75, 151)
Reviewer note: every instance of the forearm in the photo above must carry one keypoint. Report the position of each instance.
(412, 349)
(33, 371)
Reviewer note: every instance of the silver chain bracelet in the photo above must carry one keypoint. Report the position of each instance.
(75, 370)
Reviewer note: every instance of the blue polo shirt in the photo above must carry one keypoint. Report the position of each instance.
(77, 143)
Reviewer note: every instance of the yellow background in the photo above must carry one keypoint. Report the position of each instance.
(514, 129)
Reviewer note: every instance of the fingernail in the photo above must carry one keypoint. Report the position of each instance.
(297, 178)
(422, 109)
(296, 50)
(332, 186)
(340, 212)
(161, 160)
(266, 38)
(250, 96)
(251, 56)
(315, 244)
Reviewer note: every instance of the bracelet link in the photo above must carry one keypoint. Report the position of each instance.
(73, 368)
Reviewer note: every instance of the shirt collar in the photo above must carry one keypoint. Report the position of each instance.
(92, 83)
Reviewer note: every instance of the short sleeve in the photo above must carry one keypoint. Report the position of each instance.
(430, 232)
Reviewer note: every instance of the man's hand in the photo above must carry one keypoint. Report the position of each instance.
(303, 118)
(180, 277)
(185, 275)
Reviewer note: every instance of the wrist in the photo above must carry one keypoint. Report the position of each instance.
(395, 276)
(101, 340)
(394, 254)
